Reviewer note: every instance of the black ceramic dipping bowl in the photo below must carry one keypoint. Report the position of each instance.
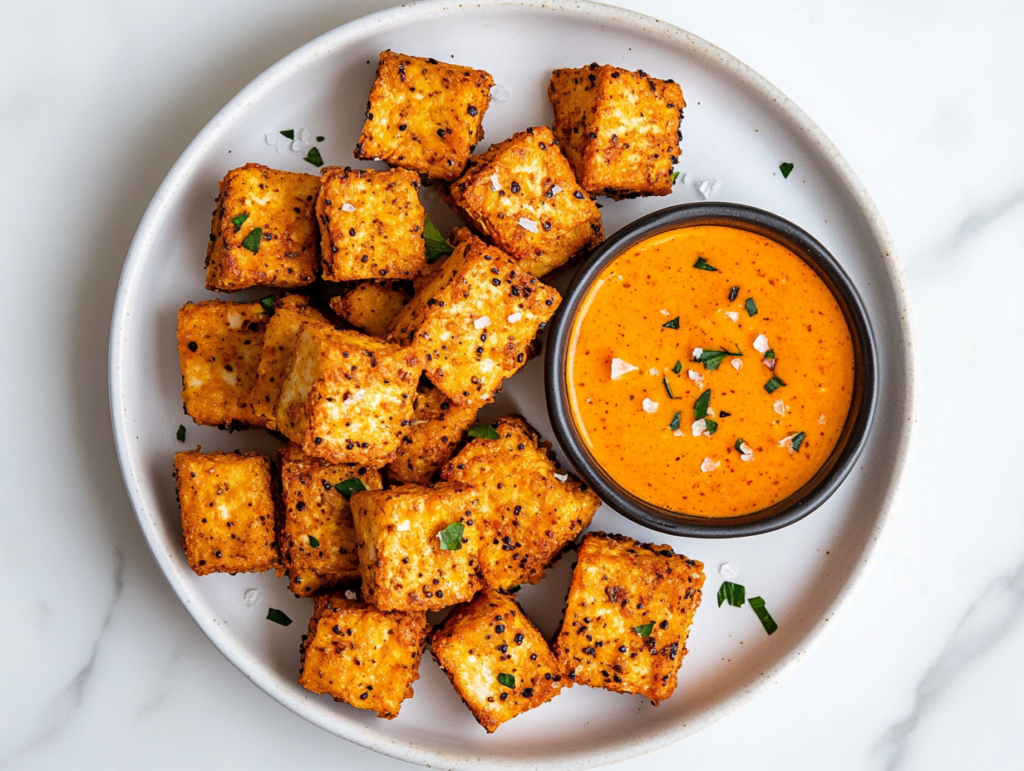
(865, 388)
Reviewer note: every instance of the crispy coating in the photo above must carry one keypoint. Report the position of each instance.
(424, 115)
(347, 397)
(474, 322)
(227, 512)
(529, 510)
(278, 349)
(280, 204)
(365, 657)
(219, 346)
(371, 224)
(619, 129)
(619, 586)
(522, 195)
(401, 561)
(488, 637)
(437, 428)
(370, 306)
(316, 535)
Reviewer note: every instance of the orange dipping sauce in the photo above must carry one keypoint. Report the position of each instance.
(636, 412)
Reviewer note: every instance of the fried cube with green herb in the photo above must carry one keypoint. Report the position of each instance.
(316, 535)
(438, 427)
(370, 306)
(347, 397)
(522, 195)
(371, 224)
(365, 657)
(628, 614)
(424, 115)
(264, 230)
(498, 662)
(219, 347)
(619, 129)
(475, 321)
(529, 509)
(417, 546)
(227, 512)
(278, 349)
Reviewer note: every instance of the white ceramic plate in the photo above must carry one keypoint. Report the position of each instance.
(738, 129)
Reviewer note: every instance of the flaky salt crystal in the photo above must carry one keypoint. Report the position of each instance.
(527, 224)
(620, 368)
(737, 364)
(709, 465)
(761, 344)
(561, 477)
(650, 406)
(779, 407)
(347, 207)
(482, 322)
(733, 315)
(495, 184)
(700, 428)
(514, 317)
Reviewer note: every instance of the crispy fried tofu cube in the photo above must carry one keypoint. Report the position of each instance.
(405, 560)
(347, 397)
(370, 306)
(316, 535)
(437, 428)
(628, 614)
(219, 347)
(529, 509)
(424, 115)
(371, 224)
(619, 129)
(264, 230)
(475, 321)
(522, 195)
(365, 657)
(278, 349)
(498, 662)
(227, 512)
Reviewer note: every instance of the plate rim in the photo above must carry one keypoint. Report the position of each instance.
(613, 16)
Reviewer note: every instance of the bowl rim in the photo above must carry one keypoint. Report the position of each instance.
(856, 429)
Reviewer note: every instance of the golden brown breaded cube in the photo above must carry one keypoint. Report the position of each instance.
(264, 230)
(227, 512)
(315, 532)
(437, 428)
(405, 560)
(529, 509)
(498, 662)
(424, 115)
(278, 349)
(370, 306)
(619, 129)
(371, 224)
(347, 397)
(522, 195)
(628, 614)
(474, 322)
(362, 656)
(219, 346)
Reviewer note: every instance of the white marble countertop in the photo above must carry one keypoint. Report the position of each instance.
(100, 665)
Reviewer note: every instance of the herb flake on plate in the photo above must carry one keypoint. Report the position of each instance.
(181, 434)
(288, 133)
(734, 594)
(786, 169)
(278, 617)
(313, 156)
(762, 613)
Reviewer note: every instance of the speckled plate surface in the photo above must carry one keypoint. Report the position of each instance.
(738, 129)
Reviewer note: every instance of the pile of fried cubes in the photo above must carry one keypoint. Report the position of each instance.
(376, 506)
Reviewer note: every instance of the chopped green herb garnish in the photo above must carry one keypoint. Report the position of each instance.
(702, 264)
(350, 487)
(772, 384)
(645, 630)
(313, 156)
(786, 168)
(750, 306)
(484, 431)
(675, 176)
(797, 440)
(509, 681)
(674, 425)
(267, 304)
(700, 407)
(181, 434)
(668, 388)
(437, 247)
(734, 594)
(734, 293)
(712, 359)
(762, 613)
(314, 542)
(710, 426)
(514, 589)
(252, 241)
(278, 617)
(451, 536)
(319, 139)
(288, 133)
(678, 367)
(673, 324)
(769, 354)
(238, 220)
(739, 448)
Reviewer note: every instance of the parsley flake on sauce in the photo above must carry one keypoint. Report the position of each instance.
(484, 431)
(734, 293)
(713, 359)
(773, 384)
(762, 613)
(734, 594)
(437, 247)
(267, 304)
(797, 440)
(645, 630)
(252, 241)
(678, 367)
(507, 680)
(278, 617)
(710, 426)
(181, 434)
(239, 219)
(702, 264)
(674, 425)
(314, 542)
(350, 487)
(313, 156)
(786, 169)
(700, 407)
(739, 448)
(668, 388)
(451, 537)
(673, 324)
(750, 306)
